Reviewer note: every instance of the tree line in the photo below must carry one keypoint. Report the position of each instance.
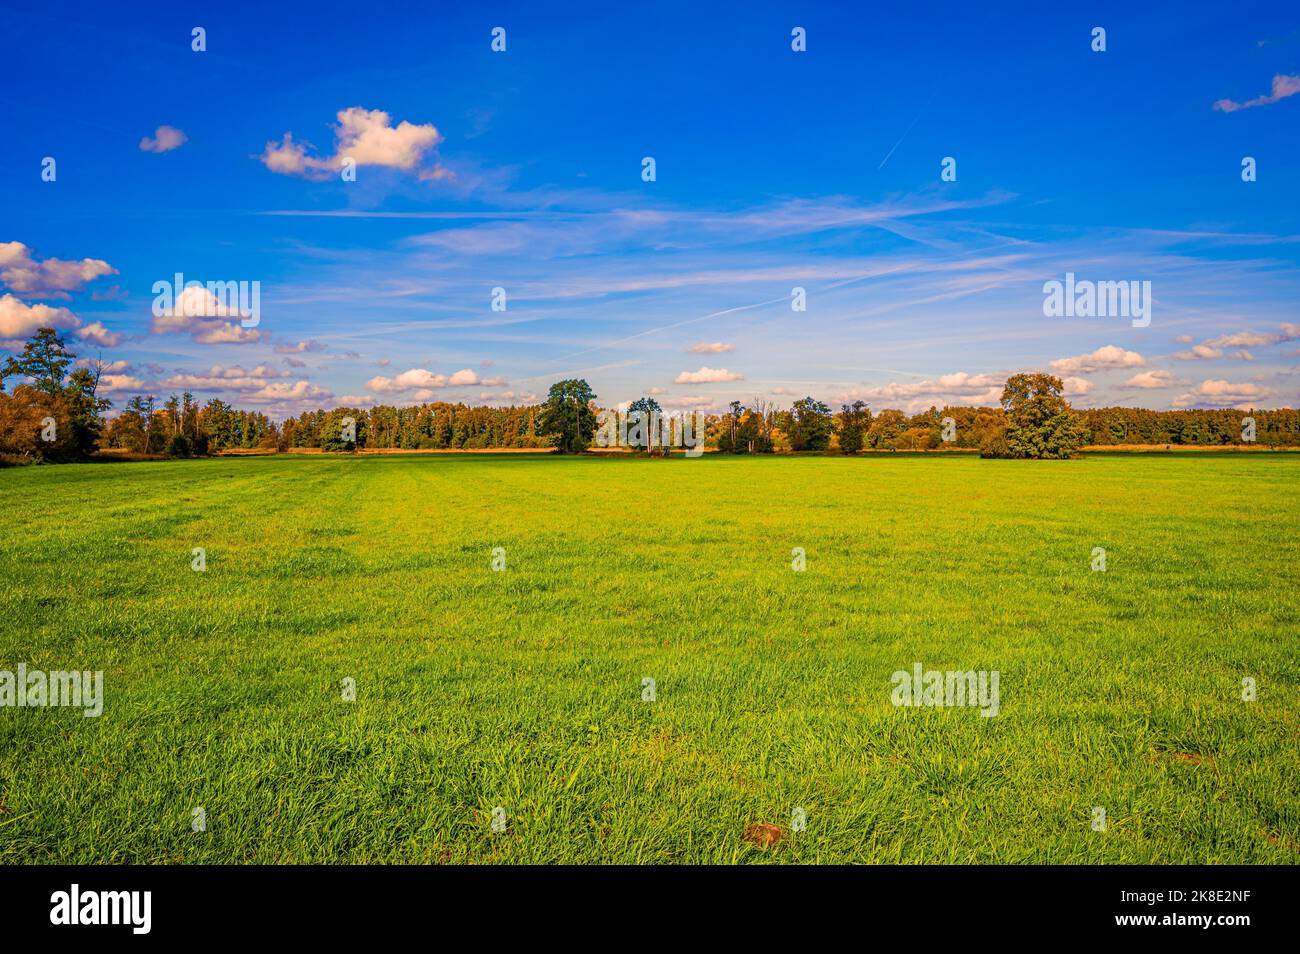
(55, 414)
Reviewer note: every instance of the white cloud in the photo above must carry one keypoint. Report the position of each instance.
(711, 347)
(1103, 359)
(116, 383)
(233, 378)
(96, 333)
(426, 381)
(164, 139)
(1241, 340)
(202, 315)
(1256, 339)
(284, 391)
(366, 136)
(958, 388)
(708, 376)
(1220, 393)
(53, 276)
(1148, 380)
(20, 320)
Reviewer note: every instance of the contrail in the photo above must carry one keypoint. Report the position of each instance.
(905, 132)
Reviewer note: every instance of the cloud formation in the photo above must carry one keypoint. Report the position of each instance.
(426, 381)
(1283, 86)
(1105, 358)
(1149, 380)
(1220, 393)
(205, 318)
(53, 277)
(368, 138)
(164, 139)
(707, 376)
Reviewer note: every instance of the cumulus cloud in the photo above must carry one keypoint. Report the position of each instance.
(19, 320)
(427, 381)
(1256, 339)
(954, 389)
(164, 139)
(711, 347)
(299, 347)
(367, 137)
(117, 383)
(1103, 359)
(96, 333)
(203, 316)
(1148, 380)
(1283, 86)
(1220, 393)
(286, 391)
(708, 376)
(1240, 340)
(1200, 352)
(219, 378)
(53, 277)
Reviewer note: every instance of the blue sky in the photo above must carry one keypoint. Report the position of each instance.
(775, 169)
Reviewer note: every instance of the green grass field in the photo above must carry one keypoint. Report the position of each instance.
(523, 688)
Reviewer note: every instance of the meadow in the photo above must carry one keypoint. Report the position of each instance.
(524, 688)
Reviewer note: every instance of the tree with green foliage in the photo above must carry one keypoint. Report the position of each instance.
(567, 415)
(853, 420)
(811, 425)
(1041, 425)
(45, 360)
(650, 411)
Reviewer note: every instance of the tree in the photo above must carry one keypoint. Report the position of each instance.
(45, 359)
(567, 415)
(84, 409)
(811, 425)
(1040, 423)
(853, 419)
(68, 401)
(649, 410)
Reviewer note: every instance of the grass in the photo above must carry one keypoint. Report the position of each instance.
(522, 689)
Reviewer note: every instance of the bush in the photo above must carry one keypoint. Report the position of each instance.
(179, 446)
(994, 443)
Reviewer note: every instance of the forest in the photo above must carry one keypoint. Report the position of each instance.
(54, 413)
